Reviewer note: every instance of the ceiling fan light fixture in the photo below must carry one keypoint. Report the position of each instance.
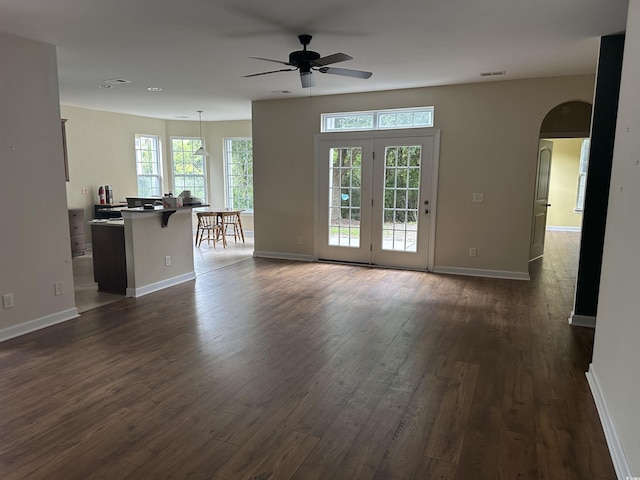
(307, 79)
(307, 60)
(201, 151)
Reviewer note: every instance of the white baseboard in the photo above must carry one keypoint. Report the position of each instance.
(38, 323)
(478, 272)
(582, 320)
(620, 464)
(563, 229)
(283, 256)
(154, 287)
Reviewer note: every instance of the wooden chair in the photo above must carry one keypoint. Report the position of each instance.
(232, 226)
(208, 225)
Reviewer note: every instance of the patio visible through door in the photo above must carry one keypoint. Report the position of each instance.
(374, 200)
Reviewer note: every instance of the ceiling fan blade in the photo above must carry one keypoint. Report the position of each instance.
(345, 72)
(307, 79)
(329, 59)
(272, 71)
(271, 60)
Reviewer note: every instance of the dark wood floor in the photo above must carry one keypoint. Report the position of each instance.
(272, 369)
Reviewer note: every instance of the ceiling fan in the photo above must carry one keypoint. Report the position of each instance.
(308, 61)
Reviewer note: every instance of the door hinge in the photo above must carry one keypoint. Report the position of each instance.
(372, 202)
(371, 247)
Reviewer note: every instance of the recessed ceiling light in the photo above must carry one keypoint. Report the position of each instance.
(182, 116)
(280, 92)
(154, 89)
(102, 85)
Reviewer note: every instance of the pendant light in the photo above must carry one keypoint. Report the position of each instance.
(201, 150)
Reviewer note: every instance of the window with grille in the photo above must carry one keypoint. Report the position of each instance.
(189, 170)
(345, 189)
(238, 154)
(378, 119)
(148, 165)
(582, 174)
(401, 198)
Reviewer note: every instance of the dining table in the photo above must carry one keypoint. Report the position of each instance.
(224, 217)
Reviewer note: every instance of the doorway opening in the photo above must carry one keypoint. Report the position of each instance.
(565, 132)
(567, 183)
(561, 173)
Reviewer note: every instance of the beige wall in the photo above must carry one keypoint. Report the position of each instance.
(34, 236)
(563, 191)
(148, 243)
(489, 139)
(616, 355)
(100, 148)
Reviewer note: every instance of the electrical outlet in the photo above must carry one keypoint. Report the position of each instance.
(472, 252)
(478, 197)
(300, 240)
(7, 300)
(85, 190)
(167, 261)
(57, 288)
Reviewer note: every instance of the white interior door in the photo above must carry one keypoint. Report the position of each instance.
(541, 201)
(373, 201)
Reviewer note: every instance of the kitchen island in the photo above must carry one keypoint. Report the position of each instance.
(157, 246)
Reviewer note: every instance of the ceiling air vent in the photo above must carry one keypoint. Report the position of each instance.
(493, 74)
(116, 81)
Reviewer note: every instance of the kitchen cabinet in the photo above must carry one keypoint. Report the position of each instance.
(77, 232)
(109, 257)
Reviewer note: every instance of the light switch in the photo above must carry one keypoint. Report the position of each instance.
(478, 197)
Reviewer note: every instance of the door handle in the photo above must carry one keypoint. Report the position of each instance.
(426, 210)
(548, 205)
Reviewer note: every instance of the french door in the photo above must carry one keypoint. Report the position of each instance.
(373, 199)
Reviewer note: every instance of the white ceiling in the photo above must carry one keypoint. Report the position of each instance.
(197, 50)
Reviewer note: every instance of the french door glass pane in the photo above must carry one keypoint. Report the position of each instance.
(345, 183)
(401, 198)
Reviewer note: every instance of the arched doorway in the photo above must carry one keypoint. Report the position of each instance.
(565, 131)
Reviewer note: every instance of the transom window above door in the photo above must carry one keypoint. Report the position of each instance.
(397, 118)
